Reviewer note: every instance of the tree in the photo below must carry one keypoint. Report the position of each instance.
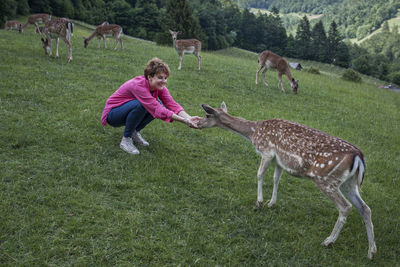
(179, 17)
(303, 39)
(319, 43)
(333, 42)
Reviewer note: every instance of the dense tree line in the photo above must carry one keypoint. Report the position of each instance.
(220, 24)
(355, 18)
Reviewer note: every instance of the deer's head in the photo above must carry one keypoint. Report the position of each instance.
(46, 46)
(174, 34)
(213, 116)
(85, 42)
(294, 84)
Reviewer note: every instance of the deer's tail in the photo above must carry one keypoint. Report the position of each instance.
(70, 29)
(359, 169)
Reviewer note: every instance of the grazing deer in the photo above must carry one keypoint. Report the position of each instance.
(103, 31)
(13, 25)
(186, 46)
(36, 19)
(270, 60)
(54, 29)
(334, 165)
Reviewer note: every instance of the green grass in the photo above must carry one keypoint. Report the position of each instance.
(70, 196)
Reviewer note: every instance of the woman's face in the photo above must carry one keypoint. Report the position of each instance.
(158, 81)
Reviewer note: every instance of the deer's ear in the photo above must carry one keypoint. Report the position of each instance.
(208, 109)
(170, 31)
(223, 107)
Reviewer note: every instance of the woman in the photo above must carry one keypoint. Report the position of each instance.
(136, 103)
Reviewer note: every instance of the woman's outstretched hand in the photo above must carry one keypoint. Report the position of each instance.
(192, 122)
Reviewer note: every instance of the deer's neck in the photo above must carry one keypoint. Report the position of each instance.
(92, 35)
(243, 127)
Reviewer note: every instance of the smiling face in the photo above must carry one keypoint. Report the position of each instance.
(157, 81)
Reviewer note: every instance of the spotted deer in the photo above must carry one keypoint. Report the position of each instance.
(55, 29)
(36, 19)
(103, 31)
(13, 25)
(334, 165)
(270, 60)
(186, 46)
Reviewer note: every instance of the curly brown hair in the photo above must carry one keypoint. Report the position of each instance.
(154, 66)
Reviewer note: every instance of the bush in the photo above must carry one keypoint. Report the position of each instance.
(351, 75)
(395, 77)
(312, 70)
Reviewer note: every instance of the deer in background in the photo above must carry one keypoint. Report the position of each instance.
(186, 46)
(36, 19)
(55, 29)
(334, 165)
(13, 25)
(103, 31)
(270, 60)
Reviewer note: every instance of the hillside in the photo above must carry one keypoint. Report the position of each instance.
(355, 18)
(71, 196)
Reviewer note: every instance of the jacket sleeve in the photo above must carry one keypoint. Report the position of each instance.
(168, 101)
(151, 104)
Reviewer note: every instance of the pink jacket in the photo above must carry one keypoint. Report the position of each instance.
(138, 88)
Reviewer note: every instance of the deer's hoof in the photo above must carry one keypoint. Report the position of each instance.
(258, 206)
(371, 252)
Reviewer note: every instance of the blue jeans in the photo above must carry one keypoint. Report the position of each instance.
(131, 114)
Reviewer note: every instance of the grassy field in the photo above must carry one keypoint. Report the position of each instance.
(70, 196)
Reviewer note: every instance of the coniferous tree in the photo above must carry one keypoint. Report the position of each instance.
(303, 39)
(319, 43)
(333, 42)
(179, 17)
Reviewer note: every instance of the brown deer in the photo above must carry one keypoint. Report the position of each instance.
(270, 60)
(55, 29)
(186, 46)
(103, 31)
(334, 165)
(13, 25)
(36, 19)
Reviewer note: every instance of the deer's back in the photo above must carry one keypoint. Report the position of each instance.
(300, 148)
(109, 29)
(185, 43)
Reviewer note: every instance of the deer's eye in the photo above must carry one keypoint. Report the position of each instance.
(208, 115)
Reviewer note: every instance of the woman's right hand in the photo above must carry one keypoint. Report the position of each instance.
(192, 123)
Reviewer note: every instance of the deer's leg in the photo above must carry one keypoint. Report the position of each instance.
(37, 28)
(57, 39)
(69, 49)
(280, 85)
(344, 207)
(180, 61)
(116, 42)
(198, 59)
(258, 70)
(263, 73)
(277, 177)
(350, 190)
(51, 50)
(120, 41)
(265, 161)
(98, 43)
(105, 41)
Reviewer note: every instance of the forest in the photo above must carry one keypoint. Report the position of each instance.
(224, 23)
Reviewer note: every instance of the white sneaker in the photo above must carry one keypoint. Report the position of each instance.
(139, 139)
(127, 145)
